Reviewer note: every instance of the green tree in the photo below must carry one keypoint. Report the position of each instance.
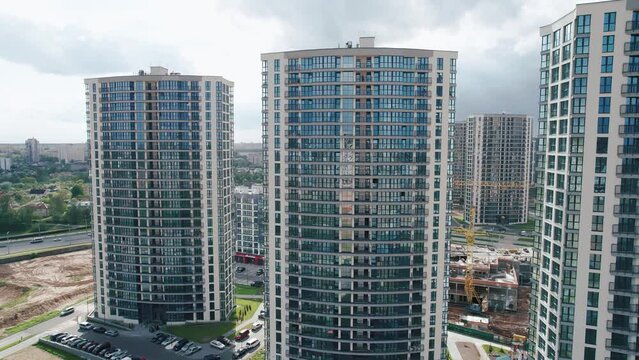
(6, 186)
(77, 190)
(57, 207)
(77, 215)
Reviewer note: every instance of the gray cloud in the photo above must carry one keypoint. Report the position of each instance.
(73, 51)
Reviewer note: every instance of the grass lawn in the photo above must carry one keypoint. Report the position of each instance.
(494, 350)
(32, 322)
(259, 355)
(529, 226)
(55, 352)
(248, 290)
(203, 333)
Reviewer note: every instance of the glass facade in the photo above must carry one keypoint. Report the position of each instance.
(160, 153)
(585, 288)
(356, 157)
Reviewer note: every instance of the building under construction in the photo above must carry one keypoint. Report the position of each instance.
(497, 276)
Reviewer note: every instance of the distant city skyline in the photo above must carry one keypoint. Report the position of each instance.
(60, 45)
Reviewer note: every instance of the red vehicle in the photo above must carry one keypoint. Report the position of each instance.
(243, 335)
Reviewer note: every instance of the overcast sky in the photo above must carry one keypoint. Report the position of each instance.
(47, 48)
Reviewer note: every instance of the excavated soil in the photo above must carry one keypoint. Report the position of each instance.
(48, 282)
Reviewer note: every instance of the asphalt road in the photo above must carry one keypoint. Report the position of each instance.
(9, 247)
(249, 275)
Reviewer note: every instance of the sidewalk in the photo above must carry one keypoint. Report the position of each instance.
(454, 337)
(250, 321)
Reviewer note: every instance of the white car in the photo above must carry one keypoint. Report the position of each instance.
(169, 340)
(252, 343)
(171, 345)
(187, 347)
(257, 326)
(216, 344)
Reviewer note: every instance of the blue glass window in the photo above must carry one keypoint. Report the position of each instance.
(606, 64)
(609, 21)
(582, 45)
(608, 44)
(605, 84)
(603, 125)
(583, 24)
(579, 86)
(604, 105)
(581, 66)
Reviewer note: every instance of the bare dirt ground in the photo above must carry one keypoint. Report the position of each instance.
(31, 353)
(33, 287)
(503, 323)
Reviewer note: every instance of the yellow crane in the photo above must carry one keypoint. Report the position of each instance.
(469, 234)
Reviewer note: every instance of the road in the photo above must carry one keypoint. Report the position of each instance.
(9, 247)
(67, 323)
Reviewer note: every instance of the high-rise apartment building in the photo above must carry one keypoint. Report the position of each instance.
(495, 166)
(33, 150)
(356, 152)
(249, 222)
(585, 297)
(161, 146)
(458, 164)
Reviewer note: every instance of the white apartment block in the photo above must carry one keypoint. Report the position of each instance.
(249, 217)
(585, 297)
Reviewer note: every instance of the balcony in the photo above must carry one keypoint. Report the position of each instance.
(628, 150)
(626, 170)
(631, 309)
(631, 329)
(631, 48)
(631, 130)
(631, 289)
(626, 210)
(630, 69)
(632, 27)
(628, 89)
(625, 229)
(629, 110)
(625, 191)
(625, 271)
(615, 249)
(628, 347)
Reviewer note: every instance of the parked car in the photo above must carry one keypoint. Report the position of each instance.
(216, 344)
(243, 335)
(224, 341)
(257, 283)
(252, 343)
(67, 311)
(257, 326)
(168, 340)
(172, 344)
(85, 326)
(159, 337)
(186, 347)
(260, 271)
(238, 353)
(179, 344)
(240, 269)
(261, 315)
(212, 357)
(58, 336)
(100, 329)
(194, 350)
(112, 333)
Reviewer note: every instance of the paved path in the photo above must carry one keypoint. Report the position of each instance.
(455, 338)
(55, 325)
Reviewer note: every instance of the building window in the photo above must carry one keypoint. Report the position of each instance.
(583, 24)
(606, 64)
(593, 280)
(604, 105)
(595, 262)
(545, 40)
(596, 242)
(581, 66)
(577, 125)
(582, 45)
(609, 21)
(593, 299)
(556, 38)
(602, 145)
(608, 44)
(579, 86)
(603, 125)
(568, 32)
(598, 203)
(579, 106)
(591, 317)
(591, 336)
(601, 165)
(600, 184)
(597, 223)
(605, 84)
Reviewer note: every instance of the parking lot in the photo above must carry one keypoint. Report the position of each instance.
(138, 343)
(249, 275)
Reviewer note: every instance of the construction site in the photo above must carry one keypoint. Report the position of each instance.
(33, 287)
(501, 285)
